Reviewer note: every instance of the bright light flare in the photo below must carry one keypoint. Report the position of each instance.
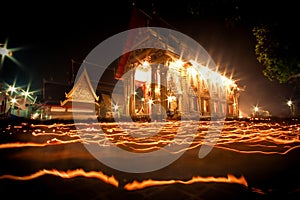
(8, 53)
(289, 103)
(11, 88)
(146, 64)
(13, 100)
(150, 101)
(116, 107)
(5, 52)
(25, 93)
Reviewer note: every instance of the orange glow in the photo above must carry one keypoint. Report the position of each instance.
(53, 141)
(254, 138)
(241, 137)
(66, 174)
(135, 185)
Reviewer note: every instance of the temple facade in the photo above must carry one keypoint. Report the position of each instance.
(175, 88)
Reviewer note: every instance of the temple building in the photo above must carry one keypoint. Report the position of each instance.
(167, 86)
(78, 100)
(155, 82)
(163, 84)
(81, 97)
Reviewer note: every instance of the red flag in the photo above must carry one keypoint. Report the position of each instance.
(138, 19)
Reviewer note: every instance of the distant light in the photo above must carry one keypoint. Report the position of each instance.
(179, 63)
(146, 64)
(13, 100)
(256, 109)
(150, 101)
(289, 103)
(116, 107)
(171, 98)
(5, 51)
(11, 89)
(26, 93)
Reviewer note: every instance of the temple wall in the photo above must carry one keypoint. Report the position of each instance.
(192, 96)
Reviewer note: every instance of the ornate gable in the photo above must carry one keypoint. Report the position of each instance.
(82, 91)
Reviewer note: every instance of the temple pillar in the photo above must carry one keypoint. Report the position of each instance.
(185, 95)
(129, 90)
(199, 89)
(163, 90)
(126, 94)
(152, 88)
(179, 103)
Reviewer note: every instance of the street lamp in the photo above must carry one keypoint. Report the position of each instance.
(292, 107)
(255, 111)
(4, 52)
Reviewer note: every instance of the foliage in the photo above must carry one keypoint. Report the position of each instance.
(276, 55)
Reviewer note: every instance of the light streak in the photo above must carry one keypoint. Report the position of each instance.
(53, 141)
(135, 185)
(66, 174)
(243, 138)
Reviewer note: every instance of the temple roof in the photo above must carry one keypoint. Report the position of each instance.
(82, 91)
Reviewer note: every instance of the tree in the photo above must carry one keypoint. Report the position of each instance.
(276, 50)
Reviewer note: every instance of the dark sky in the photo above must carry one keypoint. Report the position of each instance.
(51, 34)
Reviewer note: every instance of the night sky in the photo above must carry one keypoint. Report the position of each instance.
(50, 35)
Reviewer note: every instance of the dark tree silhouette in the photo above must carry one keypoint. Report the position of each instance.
(276, 54)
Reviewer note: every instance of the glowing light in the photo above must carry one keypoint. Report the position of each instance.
(256, 109)
(8, 53)
(179, 62)
(25, 93)
(147, 183)
(35, 116)
(289, 103)
(142, 74)
(150, 101)
(66, 174)
(116, 107)
(146, 64)
(11, 88)
(13, 100)
(5, 52)
(170, 99)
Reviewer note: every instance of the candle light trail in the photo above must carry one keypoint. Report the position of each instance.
(243, 138)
